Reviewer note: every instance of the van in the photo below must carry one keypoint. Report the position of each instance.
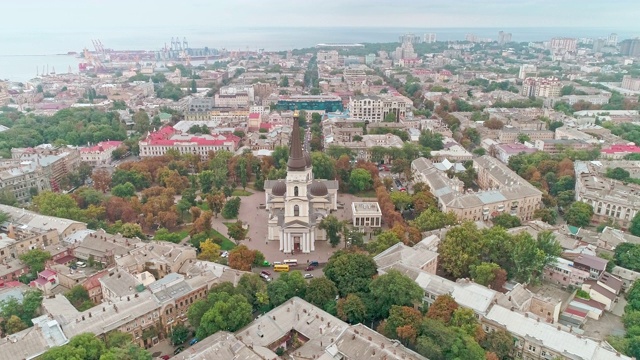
(277, 263)
(281, 268)
(313, 263)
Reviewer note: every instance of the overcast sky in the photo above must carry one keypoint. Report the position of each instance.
(90, 15)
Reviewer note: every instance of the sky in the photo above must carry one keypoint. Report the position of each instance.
(93, 15)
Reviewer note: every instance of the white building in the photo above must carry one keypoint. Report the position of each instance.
(298, 203)
(99, 154)
(366, 214)
(375, 108)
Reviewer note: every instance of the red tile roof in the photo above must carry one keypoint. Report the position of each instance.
(254, 116)
(101, 146)
(47, 273)
(618, 148)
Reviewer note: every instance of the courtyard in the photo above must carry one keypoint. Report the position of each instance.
(253, 214)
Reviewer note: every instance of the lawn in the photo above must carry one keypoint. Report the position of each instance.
(240, 192)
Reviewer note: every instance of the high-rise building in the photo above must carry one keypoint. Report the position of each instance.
(471, 38)
(430, 38)
(376, 108)
(564, 44)
(405, 51)
(526, 69)
(630, 47)
(612, 40)
(630, 83)
(504, 37)
(599, 44)
(411, 38)
(541, 87)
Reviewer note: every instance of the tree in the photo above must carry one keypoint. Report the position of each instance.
(403, 322)
(566, 198)
(400, 199)
(78, 296)
(459, 249)
(284, 82)
(142, 124)
(323, 166)
(14, 325)
(241, 258)
(507, 221)
(228, 314)
(579, 214)
(35, 259)
(394, 288)
(194, 87)
(432, 218)
(250, 285)
(231, 208)
(209, 251)
(132, 230)
(351, 271)
(442, 308)
(500, 343)
(390, 117)
(118, 339)
(237, 231)
(320, 292)
(635, 225)
(522, 138)
(101, 180)
(352, 309)
(333, 227)
(547, 215)
(287, 286)
(179, 335)
(360, 180)
(125, 190)
(385, 240)
(627, 255)
(484, 273)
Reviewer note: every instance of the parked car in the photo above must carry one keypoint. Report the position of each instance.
(224, 254)
(193, 341)
(165, 357)
(178, 350)
(313, 263)
(265, 277)
(81, 264)
(265, 272)
(308, 276)
(309, 268)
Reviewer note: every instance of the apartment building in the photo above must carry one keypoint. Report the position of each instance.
(23, 179)
(56, 162)
(341, 130)
(236, 100)
(503, 191)
(158, 257)
(564, 273)
(561, 45)
(366, 214)
(610, 199)
(630, 83)
(376, 108)
(31, 220)
(4, 94)
(365, 149)
(509, 135)
(541, 87)
(157, 143)
(555, 146)
(420, 256)
(99, 154)
(17, 239)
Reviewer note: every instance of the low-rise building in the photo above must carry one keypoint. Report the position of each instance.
(505, 151)
(564, 273)
(420, 256)
(619, 151)
(159, 142)
(34, 341)
(366, 215)
(99, 154)
(509, 135)
(555, 146)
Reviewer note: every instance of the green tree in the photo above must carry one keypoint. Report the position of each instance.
(442, 308)
(231, 208)
(383, 241)
(566, 198)
(352, 309)
(320, 292)
(118, 339)
(507, 221)
(14, 324)
(35, 259)
(627, 255)
(459, 249)
(206, 180)
(432, 218)
(179, 335)
(142, 124)
(125, 190)
(390, 117)
(522, 138)
(249, 286)
(194, 87)
(360, 180)
(394, 288)
(484, 273)
(228, 314)
(635, 225)
(78, 296)
(324, 167)
(284, 82)
(400, 199)
(579, 214)
(350, 271)
(500, 343)
(402, 320)
(237, 231)
(333, 227)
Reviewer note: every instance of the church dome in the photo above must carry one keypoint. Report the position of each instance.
(279, 189)
(318, 188)
(307, 159)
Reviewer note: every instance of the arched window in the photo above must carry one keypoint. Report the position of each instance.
(296, 209)
(295, 191)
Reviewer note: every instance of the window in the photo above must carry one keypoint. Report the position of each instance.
(532, 348)
(296, 210)
(295, 191)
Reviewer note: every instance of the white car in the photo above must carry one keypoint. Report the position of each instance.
(81, 264)
(308, 276)
(225, 254)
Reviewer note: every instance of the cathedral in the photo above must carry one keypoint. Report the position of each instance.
(298, 203)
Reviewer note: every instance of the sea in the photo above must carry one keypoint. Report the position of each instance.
(25, 54)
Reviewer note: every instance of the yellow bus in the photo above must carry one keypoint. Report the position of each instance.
(281, 268)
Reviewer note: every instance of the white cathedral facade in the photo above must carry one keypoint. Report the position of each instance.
(298, 203)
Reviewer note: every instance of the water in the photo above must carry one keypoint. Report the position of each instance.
(22, 52)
